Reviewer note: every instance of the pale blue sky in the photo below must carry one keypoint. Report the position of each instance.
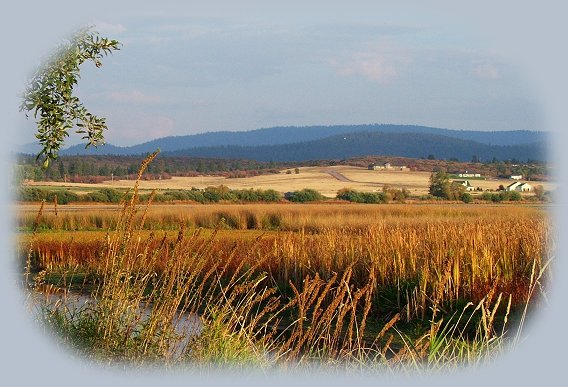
(185, 73)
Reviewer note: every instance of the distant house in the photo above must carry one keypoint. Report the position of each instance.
(469, 174)
(516, 177)
(386, 166)
(520, 187)
(465, 183)
(376, 167)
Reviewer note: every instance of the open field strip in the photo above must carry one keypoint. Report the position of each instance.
(318, 178)
(282, 182)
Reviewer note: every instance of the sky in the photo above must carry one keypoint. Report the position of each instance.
(188, 72)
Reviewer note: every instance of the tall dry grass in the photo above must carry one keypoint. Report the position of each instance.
(415, 261)
(262, 216)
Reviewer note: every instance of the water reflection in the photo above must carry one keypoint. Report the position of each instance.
(49, 297)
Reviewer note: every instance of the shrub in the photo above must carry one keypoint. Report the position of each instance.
(487, 196)
(177, 195)
(373, 197)
(216, 194)
(349, 195)
(303, 196)
(32, 194)
(365, 197)
(539, 192)
(515, 196)
(466, 197)
(247, 195)
(111, 195)
(96, 196)
(63, 197)
(271, 195)
(502, 196)
(196, 195)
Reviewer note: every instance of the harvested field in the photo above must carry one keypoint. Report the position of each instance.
(327, 180)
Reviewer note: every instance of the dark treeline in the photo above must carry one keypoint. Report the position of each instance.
(95, 169)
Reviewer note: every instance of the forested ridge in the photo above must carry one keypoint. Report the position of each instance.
(302, 134)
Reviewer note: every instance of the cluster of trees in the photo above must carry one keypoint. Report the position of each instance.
(529, 171)
(33, 194)
(303, 196)
(501, 196)
(83, 168)
(442, 187)
(221, 193)
(109, 195)
(385, 196)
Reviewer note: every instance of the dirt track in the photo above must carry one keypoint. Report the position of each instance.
(339, 176)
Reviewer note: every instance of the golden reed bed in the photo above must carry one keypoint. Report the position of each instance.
(427, 252)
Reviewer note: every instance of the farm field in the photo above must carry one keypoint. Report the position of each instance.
(326, 180)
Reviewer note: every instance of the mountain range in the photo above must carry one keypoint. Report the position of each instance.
(298, 143)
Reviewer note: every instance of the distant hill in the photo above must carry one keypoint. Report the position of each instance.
(296, 134)
(415, 145)
(310, 142)
(106, 149)
(31, 148)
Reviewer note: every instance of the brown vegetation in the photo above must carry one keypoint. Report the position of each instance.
(344, 285)
(408, 248)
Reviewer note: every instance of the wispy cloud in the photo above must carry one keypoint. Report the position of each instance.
(380, 62)
(371, 66)
(186, 30)
(139, 127)
(486, 71)
(109, 28)
(133, 97)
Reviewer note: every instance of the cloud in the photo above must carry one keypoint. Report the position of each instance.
(158, 126)
(187, 30)
(486, 71)
(373, 67)
(133, 97)
(109, 28)
(136, 128)
(380, 63)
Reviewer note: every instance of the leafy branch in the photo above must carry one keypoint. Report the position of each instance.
(49, 94)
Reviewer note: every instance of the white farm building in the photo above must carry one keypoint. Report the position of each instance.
(520, 187)
(466, 184)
